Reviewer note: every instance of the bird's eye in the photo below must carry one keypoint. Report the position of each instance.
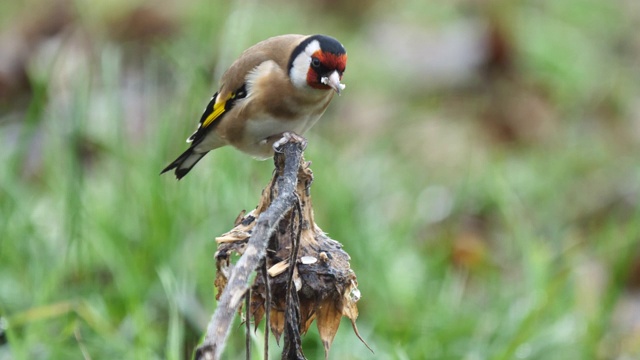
(315, 62)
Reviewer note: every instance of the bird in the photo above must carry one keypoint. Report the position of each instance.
(277, 89)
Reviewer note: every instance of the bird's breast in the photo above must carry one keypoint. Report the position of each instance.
(262, 132)
(257, 122)
(266, 125)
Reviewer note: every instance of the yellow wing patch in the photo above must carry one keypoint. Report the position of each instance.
(215, 109)
(218, 109)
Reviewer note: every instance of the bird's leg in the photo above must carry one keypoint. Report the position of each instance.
(288, 136)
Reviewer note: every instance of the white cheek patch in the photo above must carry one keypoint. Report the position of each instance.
(300, 68)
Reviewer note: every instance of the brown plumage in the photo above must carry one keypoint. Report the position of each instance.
(282, 84)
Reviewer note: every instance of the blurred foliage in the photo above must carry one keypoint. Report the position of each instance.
(481, 169)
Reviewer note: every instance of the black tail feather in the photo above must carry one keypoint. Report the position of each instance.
(184, 163)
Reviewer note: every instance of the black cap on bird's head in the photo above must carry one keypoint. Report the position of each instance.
(329, 44)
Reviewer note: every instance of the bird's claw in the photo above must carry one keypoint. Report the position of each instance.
(287, 137)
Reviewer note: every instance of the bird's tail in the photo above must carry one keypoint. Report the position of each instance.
(185, 162)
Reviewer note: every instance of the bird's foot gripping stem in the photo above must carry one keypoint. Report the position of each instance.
(287, 137)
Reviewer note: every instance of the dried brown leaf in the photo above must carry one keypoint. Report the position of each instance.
(277, 323)
(220, 281)
(328, 321)
(355, 330)
(350, 310)
(257, 308)
(239, 218)
(307, 315)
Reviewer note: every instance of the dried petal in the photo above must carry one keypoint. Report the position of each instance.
(308, 260)
(277, 323)
(257, 306)
(297, 281)
(278, 268)
(350, 310)
(355, 330)
(239, 218)
(221, 279)
(232, 236)
(307, 315)
(328, 321)
(354, 293)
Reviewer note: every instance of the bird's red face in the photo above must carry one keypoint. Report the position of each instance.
(326, 70)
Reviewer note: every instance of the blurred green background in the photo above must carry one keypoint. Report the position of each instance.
(481, 168)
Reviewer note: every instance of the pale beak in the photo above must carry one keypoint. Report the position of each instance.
(333, 81)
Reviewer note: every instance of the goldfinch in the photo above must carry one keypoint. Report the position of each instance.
(278, 87)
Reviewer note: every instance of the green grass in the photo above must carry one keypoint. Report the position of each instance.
(101, 255)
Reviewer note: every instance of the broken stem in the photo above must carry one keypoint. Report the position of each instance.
(254, 254)
(247, 323)
(267, 306)
(292, 339)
